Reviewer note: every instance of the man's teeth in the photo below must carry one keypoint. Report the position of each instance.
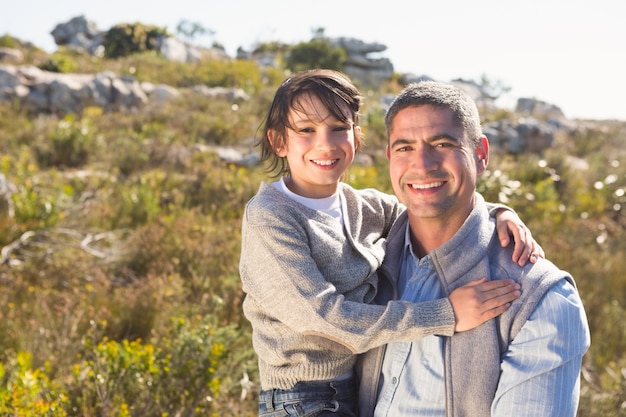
(427, 186)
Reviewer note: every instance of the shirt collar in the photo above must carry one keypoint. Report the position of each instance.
(409, 262)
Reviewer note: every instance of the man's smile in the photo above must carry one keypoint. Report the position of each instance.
(427, 186)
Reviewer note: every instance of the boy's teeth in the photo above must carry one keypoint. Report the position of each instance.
(324, 162)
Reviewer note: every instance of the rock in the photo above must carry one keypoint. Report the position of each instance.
(537, 108)
(44, 91)
(231, 94)
(11, 56)
(360, 65)
(527, 135)
(174, 49)
(79, 34)
(161, 94)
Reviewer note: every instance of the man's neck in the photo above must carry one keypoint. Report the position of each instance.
(428, 234)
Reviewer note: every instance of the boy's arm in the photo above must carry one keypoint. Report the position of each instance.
(509, 224)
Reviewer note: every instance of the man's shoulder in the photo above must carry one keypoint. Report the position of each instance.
(546, 289)
(559, 307)
(502, 264)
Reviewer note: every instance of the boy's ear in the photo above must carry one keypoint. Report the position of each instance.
(357, 137)
(278, 150)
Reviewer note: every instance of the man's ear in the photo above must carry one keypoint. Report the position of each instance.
(482, 155)
(279, 150)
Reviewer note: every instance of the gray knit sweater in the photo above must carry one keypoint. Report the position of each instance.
(308, 284)
(472, 358)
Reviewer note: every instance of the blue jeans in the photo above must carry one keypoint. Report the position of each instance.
(311, 399)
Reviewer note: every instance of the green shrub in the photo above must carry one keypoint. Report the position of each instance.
(317, 53)
(175, 376)
(34, 200)
(69, 145)
(59, 62)
(130, 218)
(27, 392)
(8, 41)
(127, 39)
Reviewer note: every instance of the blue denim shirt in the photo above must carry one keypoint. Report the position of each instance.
(413, 373)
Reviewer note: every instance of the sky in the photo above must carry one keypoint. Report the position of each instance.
(570, 53)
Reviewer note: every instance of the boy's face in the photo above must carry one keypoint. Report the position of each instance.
(319, 149)
(433, 166)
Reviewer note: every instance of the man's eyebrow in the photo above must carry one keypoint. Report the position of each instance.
(441, 136)
(400, 142)
(446, 136)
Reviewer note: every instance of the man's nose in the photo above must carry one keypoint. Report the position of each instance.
(424, 159)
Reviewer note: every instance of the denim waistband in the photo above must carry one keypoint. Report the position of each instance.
(312, 389)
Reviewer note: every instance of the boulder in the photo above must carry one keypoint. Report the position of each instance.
(44, 91)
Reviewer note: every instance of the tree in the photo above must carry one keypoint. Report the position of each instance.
(493, 89)
(192, 29)
(317, 53)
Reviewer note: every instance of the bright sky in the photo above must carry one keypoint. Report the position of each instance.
(571, 53)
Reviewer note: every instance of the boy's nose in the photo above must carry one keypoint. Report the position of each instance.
(325, 140)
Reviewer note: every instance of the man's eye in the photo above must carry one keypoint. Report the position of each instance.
(443, 145)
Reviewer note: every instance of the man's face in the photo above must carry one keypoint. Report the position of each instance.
(432, 164)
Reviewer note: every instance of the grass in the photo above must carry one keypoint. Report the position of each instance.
(119, 287)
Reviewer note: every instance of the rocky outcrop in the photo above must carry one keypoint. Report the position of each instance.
(360, 65)
(537, 108)
(83, 35)
(527, 135)
(79, 34)
(43, 91)
(11, 56)
(49, 92)
(532, 129)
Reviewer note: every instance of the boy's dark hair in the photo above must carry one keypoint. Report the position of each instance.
(332, 88)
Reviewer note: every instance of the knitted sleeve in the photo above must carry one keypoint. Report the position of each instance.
(286, 287)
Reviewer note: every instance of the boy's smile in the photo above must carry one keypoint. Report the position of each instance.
(319, 149)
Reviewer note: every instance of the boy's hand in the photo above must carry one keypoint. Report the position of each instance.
(526, 248)
(482, 300)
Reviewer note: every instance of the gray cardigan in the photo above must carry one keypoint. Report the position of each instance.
(472, 358)
(307, 285)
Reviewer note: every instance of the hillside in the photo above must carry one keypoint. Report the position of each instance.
(119, 287)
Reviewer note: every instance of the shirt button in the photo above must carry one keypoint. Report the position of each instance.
(394, 381)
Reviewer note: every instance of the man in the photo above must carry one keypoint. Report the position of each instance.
(524, 363)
